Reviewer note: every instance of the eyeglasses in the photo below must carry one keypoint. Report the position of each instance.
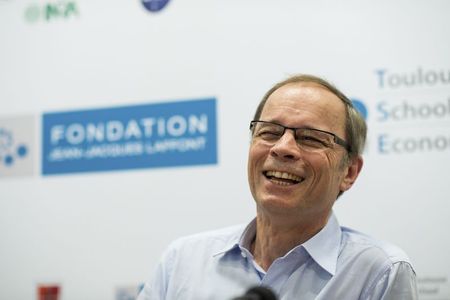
(309, 139)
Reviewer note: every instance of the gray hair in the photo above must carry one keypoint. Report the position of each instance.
(355, 125)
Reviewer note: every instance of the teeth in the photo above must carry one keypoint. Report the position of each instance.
(283, 175)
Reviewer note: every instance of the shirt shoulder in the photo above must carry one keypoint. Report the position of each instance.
(364, 247)
(368, 268)
(209, 242)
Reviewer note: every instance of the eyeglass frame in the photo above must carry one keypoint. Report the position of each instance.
(336, 139)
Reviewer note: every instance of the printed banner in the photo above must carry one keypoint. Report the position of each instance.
(141, 136)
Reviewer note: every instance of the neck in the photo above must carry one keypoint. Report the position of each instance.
(276, 238)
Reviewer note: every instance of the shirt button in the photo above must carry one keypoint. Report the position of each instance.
(243, 254)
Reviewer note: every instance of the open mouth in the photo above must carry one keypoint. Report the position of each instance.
(282, 178)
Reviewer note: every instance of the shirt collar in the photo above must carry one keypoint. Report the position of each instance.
(242, 241)
(322, 247)
(248, 235)
(325, 245)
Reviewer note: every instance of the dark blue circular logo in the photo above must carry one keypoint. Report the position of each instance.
(8, 160)
(22, 150)
(361, 107)
(154, 5)
(7, 155)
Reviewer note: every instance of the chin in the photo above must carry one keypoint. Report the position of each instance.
(277, 205)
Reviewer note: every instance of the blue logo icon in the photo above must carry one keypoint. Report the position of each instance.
(9, 151)
(154, 5)
(141, 136)
(361, 107)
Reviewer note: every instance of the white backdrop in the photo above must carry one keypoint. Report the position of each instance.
(94, 233)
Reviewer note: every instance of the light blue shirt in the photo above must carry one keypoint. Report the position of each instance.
(336, 263)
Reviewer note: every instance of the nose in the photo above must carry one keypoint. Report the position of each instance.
(286, 147)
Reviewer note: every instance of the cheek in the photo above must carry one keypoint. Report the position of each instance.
(255, 154)
(327, 165)
(253, 165)
(332, 160)
(253, 158)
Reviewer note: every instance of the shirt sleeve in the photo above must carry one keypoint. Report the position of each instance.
(397, 282)
(156, 288)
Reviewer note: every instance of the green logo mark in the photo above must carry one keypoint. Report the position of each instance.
(32, 13)
(51, 11)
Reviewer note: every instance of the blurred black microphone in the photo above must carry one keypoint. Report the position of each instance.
(258, 293)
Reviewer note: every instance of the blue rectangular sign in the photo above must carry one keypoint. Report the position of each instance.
(141, 136)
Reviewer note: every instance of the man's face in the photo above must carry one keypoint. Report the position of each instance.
(314, 179)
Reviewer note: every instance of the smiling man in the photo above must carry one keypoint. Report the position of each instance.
(307, 141)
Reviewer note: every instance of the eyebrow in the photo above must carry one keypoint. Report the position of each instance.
(297, 127)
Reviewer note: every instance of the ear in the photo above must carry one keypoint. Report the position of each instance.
(352, 172)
